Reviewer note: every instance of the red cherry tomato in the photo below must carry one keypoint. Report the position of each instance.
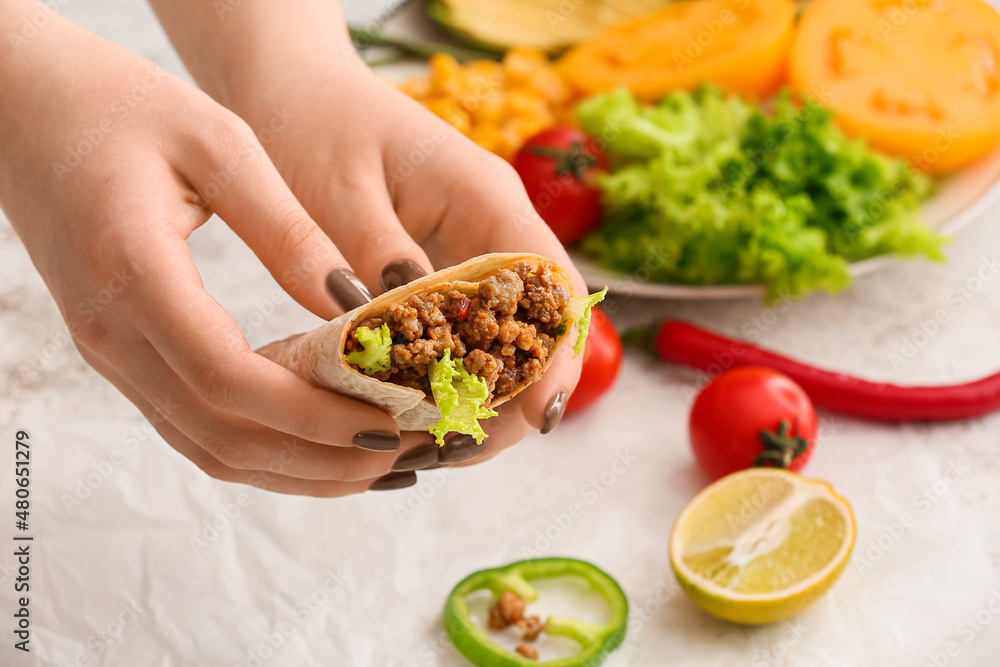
(734, 409)
(602, 359)
(555, 166)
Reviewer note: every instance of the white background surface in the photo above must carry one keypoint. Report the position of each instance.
(361, 581)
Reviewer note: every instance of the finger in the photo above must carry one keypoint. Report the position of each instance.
(518, 227)
(543, 404)
(276, 480)
(512, 229)
(205, 347)
(361, 221)
(237, 180)
(505, 430)
(262, 479)
(238, 442)
(270, 479)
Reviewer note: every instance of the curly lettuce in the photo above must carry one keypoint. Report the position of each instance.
(459, 396)
(708, 190)
(578, 310)
(376, 355)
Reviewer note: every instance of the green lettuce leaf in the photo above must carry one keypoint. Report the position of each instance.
(578, 310)
(690, 126)
(376, 357)
(707, 189)
(459, 396)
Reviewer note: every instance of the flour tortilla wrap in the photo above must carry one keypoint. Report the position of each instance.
(318, 356)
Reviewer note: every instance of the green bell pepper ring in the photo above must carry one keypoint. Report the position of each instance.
(596, 640)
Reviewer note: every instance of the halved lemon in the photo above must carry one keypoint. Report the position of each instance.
(761, 545)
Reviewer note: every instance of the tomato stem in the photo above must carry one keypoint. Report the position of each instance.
(573, 160)
(780, 448)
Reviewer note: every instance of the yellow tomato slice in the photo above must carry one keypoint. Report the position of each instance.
(918, 78)
(738, 45)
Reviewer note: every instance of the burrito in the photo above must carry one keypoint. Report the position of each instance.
(440, 353)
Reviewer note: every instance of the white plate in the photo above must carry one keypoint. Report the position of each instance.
(961, 199)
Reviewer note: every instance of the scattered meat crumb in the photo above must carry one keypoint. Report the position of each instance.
(496, 619)
(529, 652)
(531, 626)
(505, 329)
(509, 608)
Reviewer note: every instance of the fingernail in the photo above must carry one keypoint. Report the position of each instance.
(347, 288)
(459, 448)
(400, 272)
(418, 458)
(554, 412)
(394, 480)
(377, 441)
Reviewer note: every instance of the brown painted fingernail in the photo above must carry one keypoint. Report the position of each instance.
(377, 441)
(400, 272)
(347, 288)
(418, 458)
(554, 412)
(394, 480)
(459, 448)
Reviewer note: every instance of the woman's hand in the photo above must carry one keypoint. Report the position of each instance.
(398, 190)
(107, 164)
(401, 193)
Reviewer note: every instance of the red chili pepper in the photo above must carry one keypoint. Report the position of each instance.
(683, 343)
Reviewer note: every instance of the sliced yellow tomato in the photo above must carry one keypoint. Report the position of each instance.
(919, 79)
(738, 45)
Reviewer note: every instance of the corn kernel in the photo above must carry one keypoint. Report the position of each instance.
(484, 70)
(550, 85)
(446, 75)
(525, 103)
(489, 107)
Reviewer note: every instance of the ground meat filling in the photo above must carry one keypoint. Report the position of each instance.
(504, 332)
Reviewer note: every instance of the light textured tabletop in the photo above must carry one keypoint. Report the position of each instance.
(142, 560)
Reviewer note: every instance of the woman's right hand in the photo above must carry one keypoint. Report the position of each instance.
(107, 164)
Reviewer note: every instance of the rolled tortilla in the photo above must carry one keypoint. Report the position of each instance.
(318, 356)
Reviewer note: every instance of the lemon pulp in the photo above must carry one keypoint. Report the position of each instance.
(761, 545)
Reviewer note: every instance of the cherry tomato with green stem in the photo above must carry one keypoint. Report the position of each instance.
(557, 166)
(752, 416)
